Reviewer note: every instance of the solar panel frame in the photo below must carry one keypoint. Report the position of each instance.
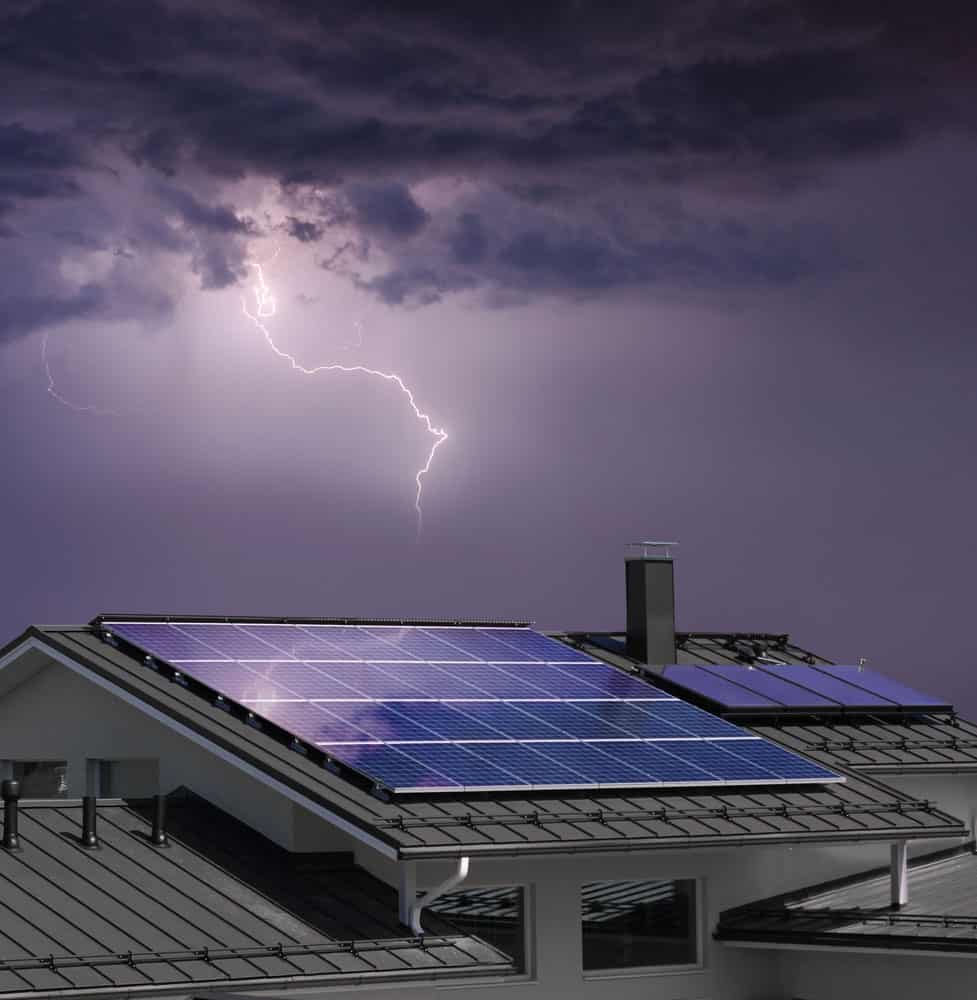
(885, 687)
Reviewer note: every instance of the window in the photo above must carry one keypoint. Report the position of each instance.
(630, 925)
(39, 779)
(496, 915)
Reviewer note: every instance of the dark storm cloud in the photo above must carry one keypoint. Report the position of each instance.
(388, 208)
(304, 230)
(593, 109)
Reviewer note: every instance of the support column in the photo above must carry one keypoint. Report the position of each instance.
(407, 891)
(899, 873)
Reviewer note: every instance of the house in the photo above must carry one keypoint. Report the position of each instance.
(644, 819)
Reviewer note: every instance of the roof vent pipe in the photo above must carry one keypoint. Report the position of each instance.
(158, 836)
(89, 836)
(650, 585)
(10, 791)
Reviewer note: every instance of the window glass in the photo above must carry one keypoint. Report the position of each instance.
(639, 924)
(495, 914)
(41, 779)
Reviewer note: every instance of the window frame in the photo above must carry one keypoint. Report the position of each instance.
(641, 971)
(528, 974)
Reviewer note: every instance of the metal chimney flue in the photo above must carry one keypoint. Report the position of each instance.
(89, 833)
(10, 791)
(650, 584)
(158, 836)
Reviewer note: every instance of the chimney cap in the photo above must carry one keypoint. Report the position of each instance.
(649, 550)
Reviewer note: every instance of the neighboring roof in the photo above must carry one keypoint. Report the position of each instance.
(132, 917)
(922, 743)
(909, 744)
(941, 914)
(450, 825)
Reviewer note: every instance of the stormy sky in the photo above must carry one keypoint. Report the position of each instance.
(700, 271)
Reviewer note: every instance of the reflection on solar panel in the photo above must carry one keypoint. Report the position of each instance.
(452, 708)
(796, 688)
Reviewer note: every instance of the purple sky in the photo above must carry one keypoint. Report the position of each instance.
(694, 271)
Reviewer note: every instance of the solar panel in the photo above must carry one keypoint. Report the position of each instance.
(421, 709)
(903, 695)
(796, 688)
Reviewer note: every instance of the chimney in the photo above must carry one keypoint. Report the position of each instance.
(89, 837)
(10, 791)
(650, 583)
(158, 836)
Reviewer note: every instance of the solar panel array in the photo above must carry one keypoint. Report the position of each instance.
(797, 688)
(464, 708)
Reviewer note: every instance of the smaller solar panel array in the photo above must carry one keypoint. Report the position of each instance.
(796, 689)
(451, 708)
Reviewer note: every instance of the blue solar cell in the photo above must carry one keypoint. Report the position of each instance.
(694, 720)
(511, 721)
(500, 681)
(885, 687)
(573, 721)
(433, 682)
(666, 764)
(828, 686)
(718, 760)
(369, 680)
(357, 643)
(164, 641)
(719, 691)
(612, 683)
(380, 721)
(595, 765)
(478, 644)
(304, 680)
(775, 687)
(418, 642)
(444, 720)
(310, 723)
(780, 763)
(230, 641)
(531, 646)
(232, 680)
(392, 768)
(464, 766)
(637, 722)
(531, 765)
(293, 642)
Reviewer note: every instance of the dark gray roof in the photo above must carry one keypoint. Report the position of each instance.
(882, 746)
(498, 823)
(914, 743)
(129, 916)
(941, 914)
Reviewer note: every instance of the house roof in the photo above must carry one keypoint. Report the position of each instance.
(866, 743)
(220, 907)
(449, 825)
(855, 912)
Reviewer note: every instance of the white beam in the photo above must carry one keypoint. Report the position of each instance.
(899, 873)
(407, 892)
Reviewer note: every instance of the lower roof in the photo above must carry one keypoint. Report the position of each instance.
(220, 907)
(449, 825)
(855, 912)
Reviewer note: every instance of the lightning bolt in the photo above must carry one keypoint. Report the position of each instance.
(53, 389)
(265, 308)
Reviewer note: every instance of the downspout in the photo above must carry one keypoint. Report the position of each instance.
(456, 878)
